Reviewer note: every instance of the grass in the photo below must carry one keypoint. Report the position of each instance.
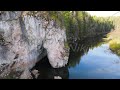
(114, 41)
(115, 44)
(66, 45)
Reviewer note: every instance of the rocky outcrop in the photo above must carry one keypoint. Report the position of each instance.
(25, 39)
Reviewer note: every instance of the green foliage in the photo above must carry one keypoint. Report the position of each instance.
(115, 46)
(80, 23)
(66, 45)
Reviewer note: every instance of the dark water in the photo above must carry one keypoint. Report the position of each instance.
(90, 58)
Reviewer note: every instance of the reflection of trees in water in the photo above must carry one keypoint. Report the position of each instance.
(47, 72)
(117, 52)
(115, 49)
(83, 46)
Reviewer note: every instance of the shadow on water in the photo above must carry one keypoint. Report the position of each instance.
(47, 72)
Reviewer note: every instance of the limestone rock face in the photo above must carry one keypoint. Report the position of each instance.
(26, 39)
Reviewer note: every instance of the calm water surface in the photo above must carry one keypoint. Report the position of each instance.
(98, 63)
(94, 61)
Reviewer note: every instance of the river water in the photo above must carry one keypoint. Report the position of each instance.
(98, 63)
(93, 61)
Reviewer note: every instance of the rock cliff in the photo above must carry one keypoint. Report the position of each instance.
(27, 37)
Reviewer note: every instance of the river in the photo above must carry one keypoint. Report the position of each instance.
(93, 60)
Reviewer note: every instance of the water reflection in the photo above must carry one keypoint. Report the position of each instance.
(90, 58)
(98, 63)
(47, 72)
(83, 48)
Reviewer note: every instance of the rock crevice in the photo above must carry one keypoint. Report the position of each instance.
(28, 39)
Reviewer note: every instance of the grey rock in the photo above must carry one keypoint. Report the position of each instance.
(29, 39)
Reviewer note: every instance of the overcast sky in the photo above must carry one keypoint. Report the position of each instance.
(104, 13)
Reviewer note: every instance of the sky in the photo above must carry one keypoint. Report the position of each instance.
(104, 13)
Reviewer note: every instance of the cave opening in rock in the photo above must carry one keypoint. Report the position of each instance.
(46, 71)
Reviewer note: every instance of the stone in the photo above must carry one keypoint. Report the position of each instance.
(27, 39)
(57, 77)
(35, 73)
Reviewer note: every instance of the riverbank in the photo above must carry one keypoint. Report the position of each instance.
(114, 41)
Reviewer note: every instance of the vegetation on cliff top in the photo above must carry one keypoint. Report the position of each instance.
(80, 24)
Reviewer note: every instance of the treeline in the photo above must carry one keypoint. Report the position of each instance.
(81, 24)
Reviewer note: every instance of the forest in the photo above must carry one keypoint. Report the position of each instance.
(74, 41)
(81, 24)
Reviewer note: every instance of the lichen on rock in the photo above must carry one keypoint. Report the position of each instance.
(29, 38)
